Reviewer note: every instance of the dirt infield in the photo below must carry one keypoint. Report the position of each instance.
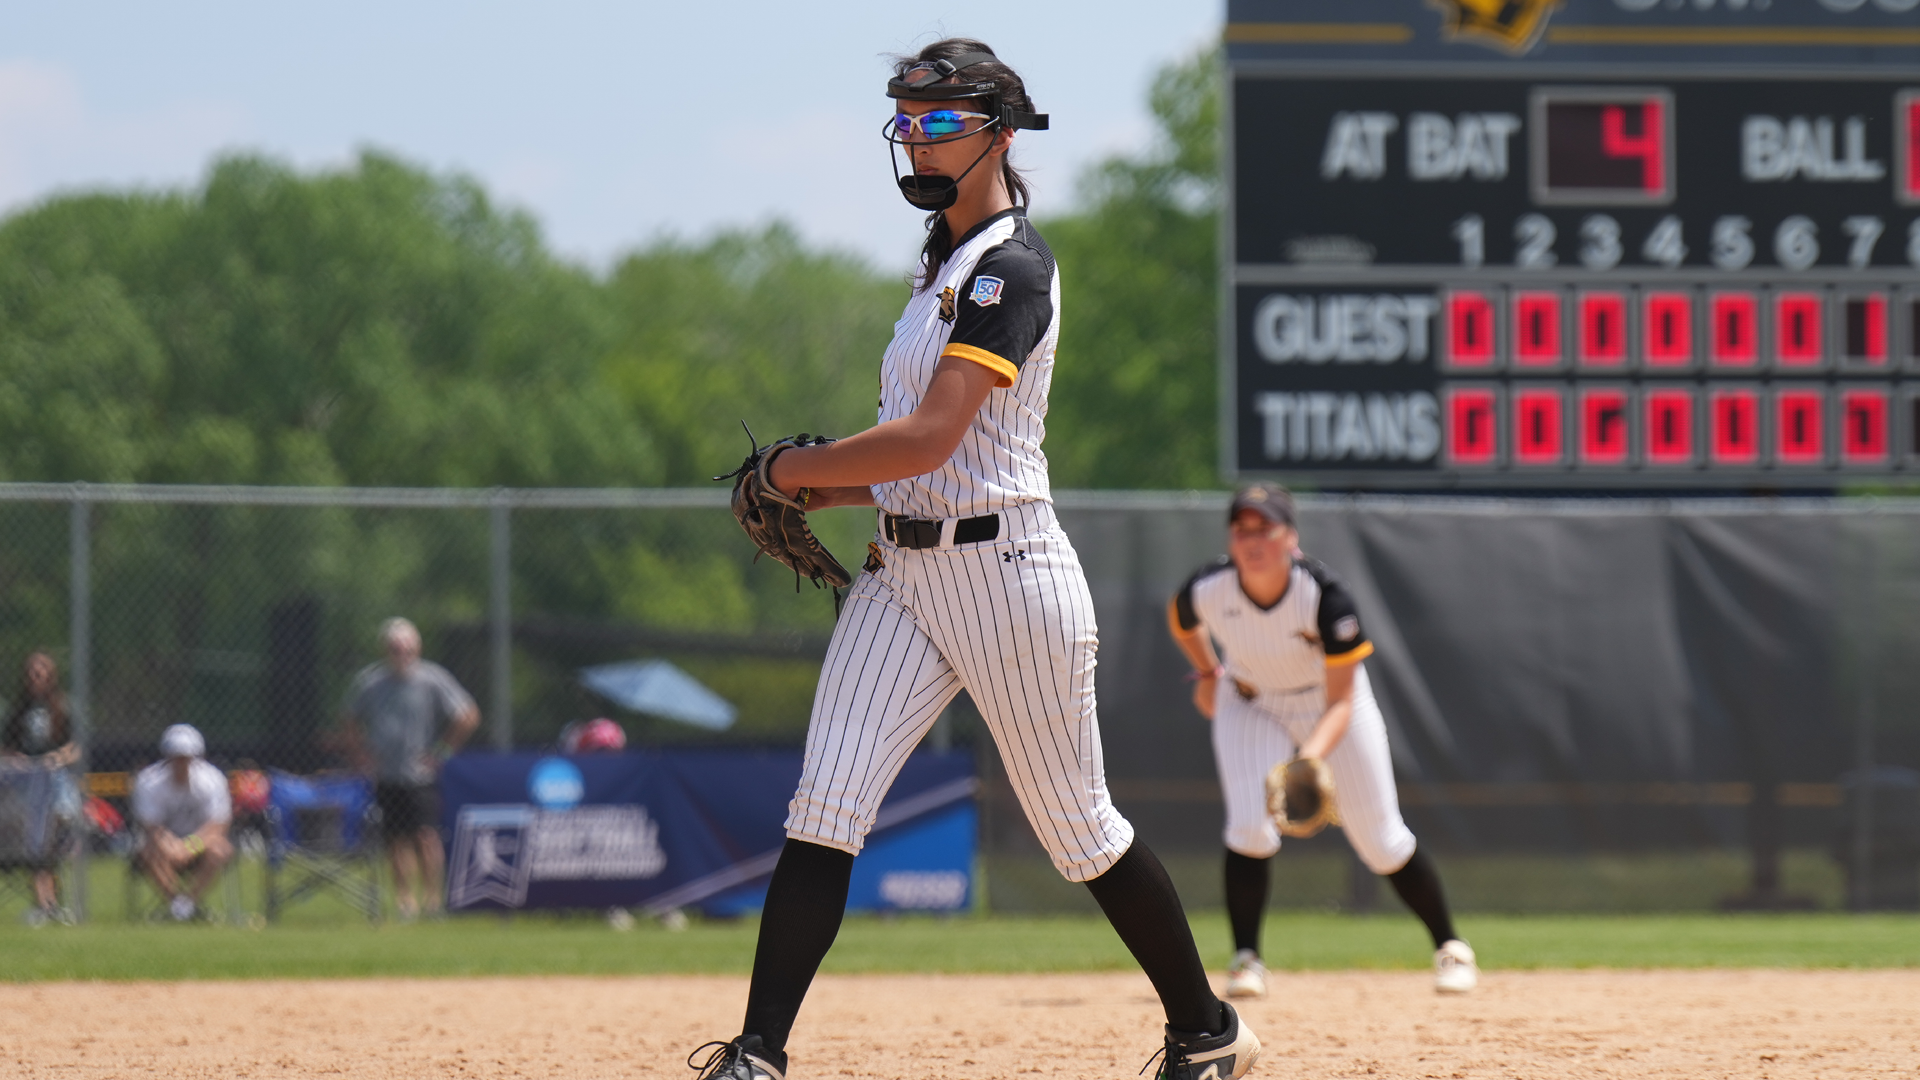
(1534, 1025)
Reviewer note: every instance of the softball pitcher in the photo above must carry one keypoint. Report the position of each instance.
(970, 583)
(1293, 683)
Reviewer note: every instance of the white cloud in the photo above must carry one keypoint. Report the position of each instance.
(51, 140)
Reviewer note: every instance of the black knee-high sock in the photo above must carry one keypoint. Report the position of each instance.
(805, 902)
(1145, 911)
(1418, 883)
(1246, 898)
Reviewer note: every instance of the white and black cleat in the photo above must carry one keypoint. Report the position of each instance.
(1455, 970)
(1247, 977)
(745, 1058)
(1201, 1056)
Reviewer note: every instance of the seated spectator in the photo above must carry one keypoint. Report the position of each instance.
(38, 729)
(183, 808)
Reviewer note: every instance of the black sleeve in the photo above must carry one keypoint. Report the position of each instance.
(1004, 309)
(1183, 613)
(1340, 629)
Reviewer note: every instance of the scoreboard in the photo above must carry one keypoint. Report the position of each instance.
(1502, 263)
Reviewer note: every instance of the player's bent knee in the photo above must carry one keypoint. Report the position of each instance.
(1082, 870)
(1255, 842)
(1388, 855)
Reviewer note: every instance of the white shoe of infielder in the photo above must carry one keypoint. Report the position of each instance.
(1247, 976)
(1455, 970)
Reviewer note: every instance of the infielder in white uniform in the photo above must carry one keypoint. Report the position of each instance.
(1293, 683)
(970, 584)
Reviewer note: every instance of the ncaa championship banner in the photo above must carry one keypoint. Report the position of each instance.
(660, 830)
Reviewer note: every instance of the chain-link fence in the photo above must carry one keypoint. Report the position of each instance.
(248, 612)
(1593, 704)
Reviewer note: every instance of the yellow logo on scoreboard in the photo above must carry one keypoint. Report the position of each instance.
(1513, 25)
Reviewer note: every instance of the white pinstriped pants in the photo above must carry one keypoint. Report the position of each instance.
(1251, 737)
(1018, 633)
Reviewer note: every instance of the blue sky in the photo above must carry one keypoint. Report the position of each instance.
(612, 123)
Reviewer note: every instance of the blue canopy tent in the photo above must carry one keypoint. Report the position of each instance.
(658, 688)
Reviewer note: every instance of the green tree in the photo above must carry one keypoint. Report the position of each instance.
(1134, 401)
(748, 326)
(373, 325)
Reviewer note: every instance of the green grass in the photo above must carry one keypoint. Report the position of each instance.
(531, 945)
(323, 939)
(1318, 879)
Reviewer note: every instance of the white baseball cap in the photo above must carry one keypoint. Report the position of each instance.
(182, 740)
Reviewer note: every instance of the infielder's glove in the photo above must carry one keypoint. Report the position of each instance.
(1300, 797)
(776, 524)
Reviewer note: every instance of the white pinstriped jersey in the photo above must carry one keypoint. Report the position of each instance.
(1284, 648)
(1010, 620)
(1281, 653)
(997, 303)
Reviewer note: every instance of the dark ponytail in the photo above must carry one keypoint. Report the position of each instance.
(1013, 93)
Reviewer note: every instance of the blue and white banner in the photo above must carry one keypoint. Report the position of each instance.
(691, 828)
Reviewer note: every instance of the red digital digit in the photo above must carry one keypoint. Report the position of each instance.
(1669, 427)
(1864, 330)
(1470, 329)
(1647, 144)
(1538, 427)
(1472, 426)
(1603, 329)
(1733, 336)
(1799, 433)
(1733, 421)
(1536, 329)
(1667, 326)
(1797, 330)
(1602, 146)
(1864, 439)
(1603, 425)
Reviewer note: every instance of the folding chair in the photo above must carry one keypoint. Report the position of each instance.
(28, 836)
(321, 836)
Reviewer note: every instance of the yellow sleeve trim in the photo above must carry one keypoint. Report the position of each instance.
(1358, 653)
(990, 361)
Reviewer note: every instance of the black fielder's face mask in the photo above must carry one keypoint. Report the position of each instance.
(927, 191)
(939, 80)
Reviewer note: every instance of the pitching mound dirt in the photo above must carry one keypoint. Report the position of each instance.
(1536, 1025)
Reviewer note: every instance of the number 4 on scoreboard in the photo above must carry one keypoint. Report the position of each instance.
(1602, 146)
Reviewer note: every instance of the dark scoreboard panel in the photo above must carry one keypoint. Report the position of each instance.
(1665, 279)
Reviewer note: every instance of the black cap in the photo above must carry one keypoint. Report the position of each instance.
(1270, 501)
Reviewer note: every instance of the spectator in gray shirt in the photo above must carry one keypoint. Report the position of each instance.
(404, 718)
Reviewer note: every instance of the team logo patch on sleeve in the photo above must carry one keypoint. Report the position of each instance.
(1346, 628)
(946, 304)
(986, 290)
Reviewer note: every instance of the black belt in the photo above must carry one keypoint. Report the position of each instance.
(922, 533)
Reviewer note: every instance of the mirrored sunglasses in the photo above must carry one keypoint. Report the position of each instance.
(934, 125)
